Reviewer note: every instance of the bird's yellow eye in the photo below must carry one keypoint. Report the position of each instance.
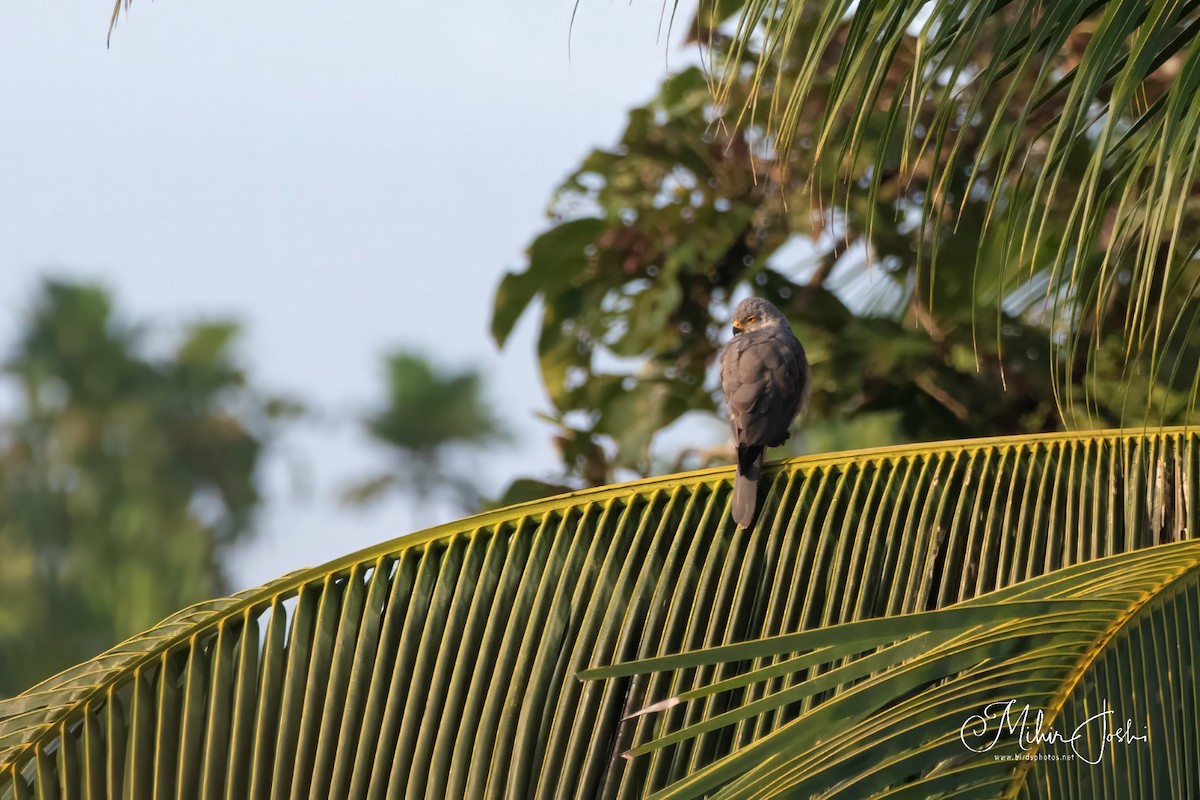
(751, 320)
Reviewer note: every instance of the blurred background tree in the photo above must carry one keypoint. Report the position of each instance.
(126, 475)
(875, 173)
(431, 414)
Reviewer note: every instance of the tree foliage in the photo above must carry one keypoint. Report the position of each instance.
(428, 414)
(872, 206)
(125, 476)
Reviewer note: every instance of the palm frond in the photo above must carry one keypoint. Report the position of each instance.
(1077, 119)
(445, 663)
(933, 698)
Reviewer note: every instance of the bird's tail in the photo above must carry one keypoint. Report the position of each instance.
(745, 484)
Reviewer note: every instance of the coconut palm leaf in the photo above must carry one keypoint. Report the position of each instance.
(1077, 120)
(445, 664)
(948, 701)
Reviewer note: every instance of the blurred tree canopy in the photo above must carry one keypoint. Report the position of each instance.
(125, 476)
(428, 413)
(895, 271)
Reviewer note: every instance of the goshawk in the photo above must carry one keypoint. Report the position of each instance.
(765, 378)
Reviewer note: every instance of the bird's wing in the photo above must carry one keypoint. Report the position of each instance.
(763, 377)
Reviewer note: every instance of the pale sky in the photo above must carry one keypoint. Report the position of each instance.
(343, 178)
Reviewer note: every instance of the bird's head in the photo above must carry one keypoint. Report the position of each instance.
(754, 314)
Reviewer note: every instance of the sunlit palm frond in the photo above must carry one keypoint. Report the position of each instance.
(446, 664)
(962, 701)
(1078, 120)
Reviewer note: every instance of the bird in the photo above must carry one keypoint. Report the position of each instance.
(766, 382)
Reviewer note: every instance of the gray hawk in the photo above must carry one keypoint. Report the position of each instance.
(766, 382)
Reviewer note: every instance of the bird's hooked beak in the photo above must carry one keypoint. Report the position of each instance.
(737, 328)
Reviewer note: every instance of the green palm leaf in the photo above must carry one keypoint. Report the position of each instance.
(446, 664)
(1077, 121)
(945, 684)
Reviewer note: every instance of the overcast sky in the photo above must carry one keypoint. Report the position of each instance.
(343, 178)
